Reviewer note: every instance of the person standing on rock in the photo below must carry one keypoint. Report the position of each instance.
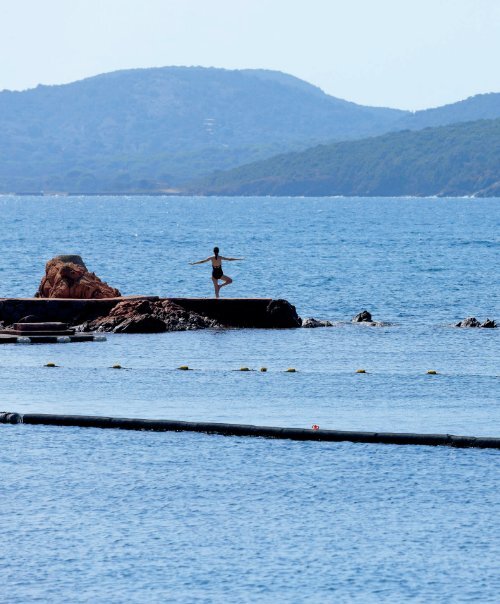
(217, 272)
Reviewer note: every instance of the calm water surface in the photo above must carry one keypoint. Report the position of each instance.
(112, 517)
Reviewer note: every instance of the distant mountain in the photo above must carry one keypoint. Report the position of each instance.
(152, 129)
(479, 107)
(460, 159)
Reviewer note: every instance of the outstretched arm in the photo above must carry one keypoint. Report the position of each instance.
(230, 259)
(201, 261)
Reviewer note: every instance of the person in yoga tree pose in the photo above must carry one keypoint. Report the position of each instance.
(217, 272)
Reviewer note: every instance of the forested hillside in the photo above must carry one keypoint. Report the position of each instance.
(479, 107)
(461, 159)
(152, 129)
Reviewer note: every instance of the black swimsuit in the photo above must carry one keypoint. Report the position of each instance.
(217, 272)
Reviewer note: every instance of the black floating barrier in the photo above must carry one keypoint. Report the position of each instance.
(164, 425)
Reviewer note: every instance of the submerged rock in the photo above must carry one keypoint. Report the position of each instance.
(473, 322)
(311, 322)
(363, 317)
(148, 316)
(489, 324)
(68, 277)
(469, 322)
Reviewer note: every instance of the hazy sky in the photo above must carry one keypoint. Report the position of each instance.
(410, 54)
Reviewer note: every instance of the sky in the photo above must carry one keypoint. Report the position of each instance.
(409, 54)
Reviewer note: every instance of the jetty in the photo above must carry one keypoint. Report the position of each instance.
(230, 312)
(233, 312)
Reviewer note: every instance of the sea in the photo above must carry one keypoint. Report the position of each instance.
(92, 515)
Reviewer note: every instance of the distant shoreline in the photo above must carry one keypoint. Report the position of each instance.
(214, 195)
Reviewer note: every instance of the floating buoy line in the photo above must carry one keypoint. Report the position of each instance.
(315, 433)
(243, 369)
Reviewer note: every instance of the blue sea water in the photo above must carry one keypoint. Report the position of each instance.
(103, 516)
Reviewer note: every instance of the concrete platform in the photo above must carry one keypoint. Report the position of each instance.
(67, 310)
(43, 339)
(234, 312)
(22, 333)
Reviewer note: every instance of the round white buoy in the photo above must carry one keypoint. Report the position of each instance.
(24, 340)
(63, 340)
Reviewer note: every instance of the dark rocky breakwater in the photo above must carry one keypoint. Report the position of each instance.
(151, 314)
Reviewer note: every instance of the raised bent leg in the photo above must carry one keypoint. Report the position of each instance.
(227, 281)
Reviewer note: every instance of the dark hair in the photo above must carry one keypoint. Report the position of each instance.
(216, 251)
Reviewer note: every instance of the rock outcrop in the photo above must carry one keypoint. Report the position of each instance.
(473, 322)
(68, 277)
(148, 316)
(281, 313)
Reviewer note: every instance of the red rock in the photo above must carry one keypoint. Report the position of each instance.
(68, 277)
